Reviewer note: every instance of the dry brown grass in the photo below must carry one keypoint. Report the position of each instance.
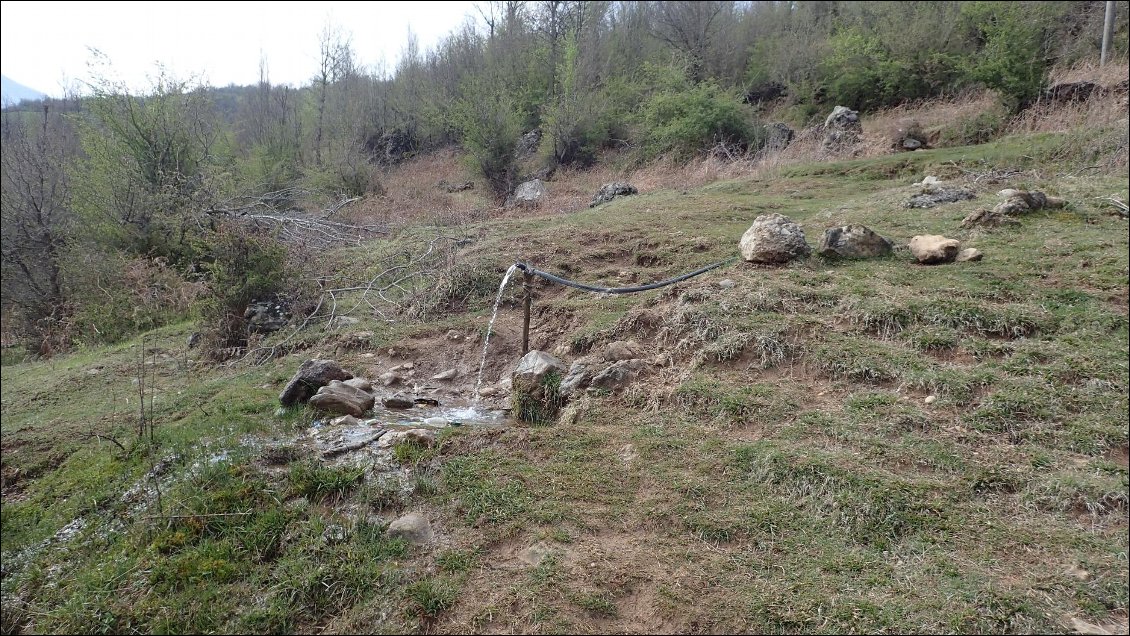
(1107, 76)
(879, 129)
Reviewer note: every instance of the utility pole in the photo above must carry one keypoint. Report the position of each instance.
(1108, 31)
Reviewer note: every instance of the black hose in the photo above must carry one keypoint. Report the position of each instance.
(620, 290)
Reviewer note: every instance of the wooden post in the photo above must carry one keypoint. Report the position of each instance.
(528, 278)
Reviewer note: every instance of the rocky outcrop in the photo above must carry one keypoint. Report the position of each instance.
(617, 375)
(339, 397)
(842, 130)
(853, 241)
(931, 249)
(311, 376)
(773, 239)
(612, 190)
(398, 402)
(1067, 92)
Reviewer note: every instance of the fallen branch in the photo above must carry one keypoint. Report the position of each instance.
(1119, 206)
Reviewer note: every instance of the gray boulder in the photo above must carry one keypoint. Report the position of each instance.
(529, 192)
(842, 130)
(909, 136)
(853, 241)
(778, 136)
(969, 254)
(311, 376)
(534, 366)
(265, 316)
(610, 191)
(773, 239)
(339, 397)
(617, 376)
(578, 378)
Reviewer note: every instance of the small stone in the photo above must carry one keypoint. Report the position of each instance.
(488, 391)
(390, 378)
(930, 399)
(398, 402)
(452, 334)
(359, 383)
(345, 420)
(1078, 573)
(334, 534)
(450, 374)
(412, 527)
(969, 254)
(536, 553)
(438, 422)
(726, 283)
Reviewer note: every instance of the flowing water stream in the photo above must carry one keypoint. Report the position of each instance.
(486, 340)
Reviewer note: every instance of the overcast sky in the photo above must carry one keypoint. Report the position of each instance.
(45, 45)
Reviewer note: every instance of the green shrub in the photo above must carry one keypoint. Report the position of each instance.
(243, 266)
(683, 119)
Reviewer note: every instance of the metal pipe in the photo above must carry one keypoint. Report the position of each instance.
(619, 290)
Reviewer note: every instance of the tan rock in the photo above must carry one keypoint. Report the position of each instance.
(931, 249)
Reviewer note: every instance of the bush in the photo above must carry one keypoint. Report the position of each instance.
(111, 296)
(683, 120)
(978, 129)
(489, 128)
(243, 266)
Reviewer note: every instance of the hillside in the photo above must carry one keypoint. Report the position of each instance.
(829, 446)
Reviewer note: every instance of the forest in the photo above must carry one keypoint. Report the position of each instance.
(124, 210)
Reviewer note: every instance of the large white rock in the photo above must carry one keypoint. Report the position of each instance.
(530, 191)
(773, 239)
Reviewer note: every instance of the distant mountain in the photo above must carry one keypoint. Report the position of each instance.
(12, 92)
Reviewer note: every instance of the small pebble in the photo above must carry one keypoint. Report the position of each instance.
(930, 399)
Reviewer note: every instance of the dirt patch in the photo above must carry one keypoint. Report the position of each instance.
(1120, 455)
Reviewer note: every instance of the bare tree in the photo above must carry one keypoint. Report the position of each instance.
(689, 27)
(34, 204)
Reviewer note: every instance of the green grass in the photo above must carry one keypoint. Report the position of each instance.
(785, 471)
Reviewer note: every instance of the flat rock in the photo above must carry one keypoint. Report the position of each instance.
(339, 397)
(413, 528)
(360, 383)
(535, 365)
(969, 254)
(398, 402)
(450, 374)
(389, 378)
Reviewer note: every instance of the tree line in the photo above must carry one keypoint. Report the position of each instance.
(116, 214)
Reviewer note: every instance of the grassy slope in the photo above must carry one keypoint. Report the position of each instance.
(782, 474)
